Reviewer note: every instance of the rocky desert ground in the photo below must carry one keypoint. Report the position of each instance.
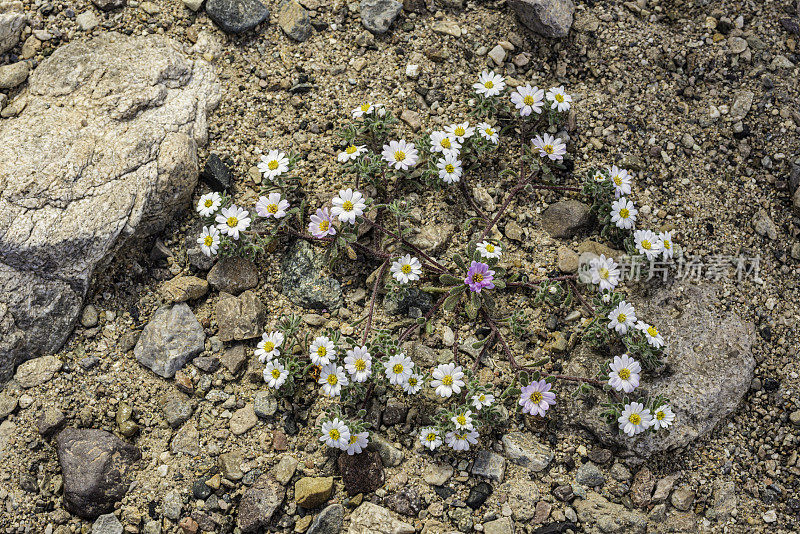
(132, 400)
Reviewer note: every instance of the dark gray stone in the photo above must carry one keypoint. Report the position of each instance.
(108, 5)
(237, 16)
(216, 174)
(171, 339)
(489, 465)
(566, 218)
(294, 21)
(478, 495)
(301, 280)
(548, 18)
(329, 521)
(590, 475)
(378, 15)
(177, 410)
(95, 466)
(259, 503)
(50, 422)
(233, 275)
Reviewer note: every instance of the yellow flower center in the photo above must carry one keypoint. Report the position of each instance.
(399, 155)
(449, 168)
(461, 420)
(489, 84)
(412, 381)
(353, 438)
(477, 278)
(624, 374)
(635, 418)
(459, 131)
(268, 346)
(365, 107)
(667, 245)
(617, 180)
(398, 368)
(276, 374)
(604, 273)
(360, 365)
(347, 205)
(232, 222)
(431, 436)
(621, 318)
(334, 434)
(548, 149)
(209, 203)
(208, 241)
(461, 437)
(652, 331)
(406, 268)
(528, 100)
(447, 380)
(482, 398)
(559, 98)
(490, 248)
(321, 352)
(332, 379)
(272, 208)
(624, 213)
(272, 165)
(324, 225)
(660, 415)
(646, 244)
(445, 143)
(536, 397)
(351, 149)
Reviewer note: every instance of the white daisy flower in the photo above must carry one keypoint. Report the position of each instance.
(364, 109)
(489, 249)
(209, 240)
(348, 205)
(623, 213)
(275, 374)
(663, 417)
(635, 419)
(357, 443)
(413, 384)
(335, 434)
(351, 152)
(604, 272)
(549, 147)
(488, 132)
(599, 176)
(666, 245)
(621, 180)
(653, 336)
(460, 440)
(482, 400)
(528, 99)
(358, 363)
(489, 84)
(400, 154)
(430, 438)
(463, 420)
(322, 351)
(622, 317)
(398, 369)
(647, 243)
(447, 379)
(624, 375)
(273, 164)
(232, 220)
(460, 131)
(444, 143)
(449, 168)
(558, 98)
(332, 378)
(209, 204)
(406, 269)
(272, 206)
(269, 346)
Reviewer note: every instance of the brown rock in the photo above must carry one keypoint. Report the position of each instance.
(361, 473)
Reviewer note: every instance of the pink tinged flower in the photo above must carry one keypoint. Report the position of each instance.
(536, 398)
(320, 225)
(479, 277)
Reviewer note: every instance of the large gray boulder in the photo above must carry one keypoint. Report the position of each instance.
(709, 368)
(104, 151)
(12, 20)
(548, 18)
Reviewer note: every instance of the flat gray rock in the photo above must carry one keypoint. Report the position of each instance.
(548, 18)
(237, 16)
(171, 339)
(378, 15)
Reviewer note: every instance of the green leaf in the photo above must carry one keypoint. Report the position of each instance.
(450, 302)
(458, 260)
(499, 284)
(449, 280)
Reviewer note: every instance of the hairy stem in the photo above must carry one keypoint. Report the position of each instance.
(372, 301)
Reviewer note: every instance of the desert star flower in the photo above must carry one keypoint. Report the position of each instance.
(460, 440)
(460, 131)
(528, 99)
(413, 384)
(400, 154)
(350, 153)
(635, 419)
(623, 213)
(335, 434)
(275, 374)
(536, 398)
(559, 100)
(481, 400)
(322, 351)
(662, 417)
(232, 220)
(209, 204)
(651, 333)
(621, 180)
(269, 346)
(604, 272)
(489, 84)
(357, 443)
(647, 243)
(488, 132)
(364, 109)
(272, 206)
(398, 369)
(624, 375)
(449, 168)
(447, 379)
(209, 240)
(489, 249)
(429, 437)
(463, 420)
(358, 363)
(332, 377)
(444, 143)
(622, 317)
(549, 147)
(320, 225)
(666, 244)
(348, 205)
(599, 176)
(273, 164)
(479, 277)
(406, 269)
